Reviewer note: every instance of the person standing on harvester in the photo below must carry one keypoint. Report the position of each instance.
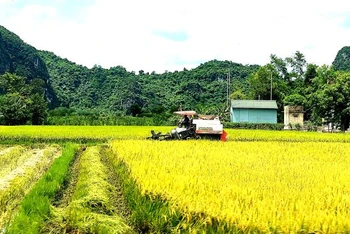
(185, 122)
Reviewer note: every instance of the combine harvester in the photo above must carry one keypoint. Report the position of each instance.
(200, 127)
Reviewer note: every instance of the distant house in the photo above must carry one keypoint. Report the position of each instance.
(253, 111)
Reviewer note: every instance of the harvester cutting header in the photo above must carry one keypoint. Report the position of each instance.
(194, 126)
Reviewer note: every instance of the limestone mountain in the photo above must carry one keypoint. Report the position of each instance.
(19, 58)
(342, 60)
(117, 90)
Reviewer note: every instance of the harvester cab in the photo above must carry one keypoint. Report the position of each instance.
(200, 126)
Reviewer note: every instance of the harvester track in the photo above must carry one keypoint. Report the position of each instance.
(66, 198)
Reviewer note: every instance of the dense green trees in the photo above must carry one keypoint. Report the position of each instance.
(323, 91)
(116, 90)
(331, 97)
(36, 80)
(17, 57)
(342, 60)
(20, 102)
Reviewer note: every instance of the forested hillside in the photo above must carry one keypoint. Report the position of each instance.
(115, 90)
(30, 81)
(118, 90)
(342, 60)
(21, 59)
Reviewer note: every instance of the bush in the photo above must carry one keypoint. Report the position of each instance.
(264, 126)
(106, 120)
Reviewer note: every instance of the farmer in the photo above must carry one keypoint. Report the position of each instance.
(185, 122)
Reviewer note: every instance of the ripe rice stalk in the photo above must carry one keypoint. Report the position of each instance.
(274, 185)
(11, 158)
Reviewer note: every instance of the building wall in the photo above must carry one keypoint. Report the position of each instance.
(254, 116)
(293, 115)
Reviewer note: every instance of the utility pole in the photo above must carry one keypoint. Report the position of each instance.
(271, 85)
(228, 90)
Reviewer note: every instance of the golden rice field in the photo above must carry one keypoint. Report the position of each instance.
(268, 186)
(141, 132)
(256, 181)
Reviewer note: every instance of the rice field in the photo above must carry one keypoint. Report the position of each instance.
(104, 133)
(256, 182)
(267, 186)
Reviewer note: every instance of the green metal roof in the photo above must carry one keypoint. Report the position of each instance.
(253, 104)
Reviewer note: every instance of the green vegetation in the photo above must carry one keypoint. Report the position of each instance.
(342, 60)
(323, 92)
(21, 59)
(93, 118)
(293, 81)
(21, 103)
(105, 96)
(118, 91)
(264, 126)
(35, 207)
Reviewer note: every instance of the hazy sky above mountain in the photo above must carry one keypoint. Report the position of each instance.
(159, 35)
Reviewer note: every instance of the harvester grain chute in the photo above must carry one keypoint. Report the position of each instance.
(200, 126)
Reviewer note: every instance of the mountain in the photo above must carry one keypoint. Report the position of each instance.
(117, 90)
(342, 60)
(21, 59)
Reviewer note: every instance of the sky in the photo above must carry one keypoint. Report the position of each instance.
(169, 35)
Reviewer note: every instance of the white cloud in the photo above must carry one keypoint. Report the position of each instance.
(111, 33)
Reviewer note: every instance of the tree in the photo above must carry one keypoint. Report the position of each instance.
(238, 95)
(266, 81)
(298, 65)
(260, 83)
(37, 86)
(331, 97)
(21, 102)
(15, 109)
(281, 67)
(10, 83)
(310, 74)
(38, 109)
(135, 109)
(294, 100)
